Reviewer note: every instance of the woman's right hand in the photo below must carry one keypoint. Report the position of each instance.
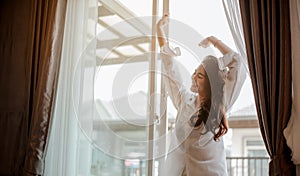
(161, 35)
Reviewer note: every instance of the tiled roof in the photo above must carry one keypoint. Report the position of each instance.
(248, 112)
(131, 107)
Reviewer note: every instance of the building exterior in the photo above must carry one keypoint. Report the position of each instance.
(247, 154)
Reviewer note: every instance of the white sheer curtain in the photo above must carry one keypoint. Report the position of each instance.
(292, 130)
(233, 15)
(74, 102)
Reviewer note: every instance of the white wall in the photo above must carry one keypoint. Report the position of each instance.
(238, 139)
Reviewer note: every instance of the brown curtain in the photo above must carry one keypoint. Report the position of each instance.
(266, 27)
(30, 46)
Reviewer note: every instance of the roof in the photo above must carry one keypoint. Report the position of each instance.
(248, 112)
(114, 46)
(134, 107)
(131, 107)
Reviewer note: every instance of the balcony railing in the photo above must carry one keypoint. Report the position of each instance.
(247, 166)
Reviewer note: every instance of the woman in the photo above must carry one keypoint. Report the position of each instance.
(197, 146)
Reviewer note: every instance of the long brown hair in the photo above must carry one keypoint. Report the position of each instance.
(212, 111)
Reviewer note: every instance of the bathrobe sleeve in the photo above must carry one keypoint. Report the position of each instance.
(236, 77)
(173, 80)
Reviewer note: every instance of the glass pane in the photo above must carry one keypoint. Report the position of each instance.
(255, 143)
(258, 167)
(257, 153)
(120, 123)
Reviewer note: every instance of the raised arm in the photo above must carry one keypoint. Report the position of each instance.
(173, 80)
(236, 75)
(230, 58)
(222, 47)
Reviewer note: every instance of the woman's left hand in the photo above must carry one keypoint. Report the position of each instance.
(208, 41)
(205, 43)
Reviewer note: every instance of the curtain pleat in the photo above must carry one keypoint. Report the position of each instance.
(15, 38)
(30, 45)
(47, 42)
(266, 27)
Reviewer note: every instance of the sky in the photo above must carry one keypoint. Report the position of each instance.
(207, 17)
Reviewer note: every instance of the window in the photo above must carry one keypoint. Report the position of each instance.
(120, 126)
(254, 147)
(124, 86)
(258, 166)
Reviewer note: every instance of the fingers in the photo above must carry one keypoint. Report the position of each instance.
(164, 19)
(218, 135)
(223, 129)
(166, 15)
(204, 43)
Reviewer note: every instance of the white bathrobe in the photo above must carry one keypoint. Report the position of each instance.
(198, 154)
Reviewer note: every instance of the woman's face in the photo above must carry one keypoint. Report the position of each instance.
(200, 81)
